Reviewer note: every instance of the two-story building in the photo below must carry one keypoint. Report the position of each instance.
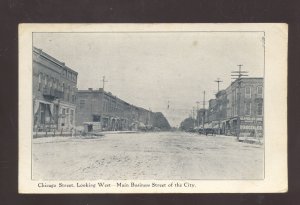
(109, 111)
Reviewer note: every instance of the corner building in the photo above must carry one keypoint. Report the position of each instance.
(237, 110)
(54, 87)
(245, 107)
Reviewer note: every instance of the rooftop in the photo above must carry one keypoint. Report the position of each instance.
(52, 59)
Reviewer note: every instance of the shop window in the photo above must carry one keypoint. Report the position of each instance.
(72, 116)
(42, 109)
(96, 118)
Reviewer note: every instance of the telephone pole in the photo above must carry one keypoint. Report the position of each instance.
(197, 113)
(218, 81)
(103, 82)
(193, 116)
(203, 115)
(238, 76)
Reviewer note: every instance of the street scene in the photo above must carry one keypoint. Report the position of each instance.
(138, 105)
(159, 155)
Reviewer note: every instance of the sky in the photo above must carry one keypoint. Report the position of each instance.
(150, 69)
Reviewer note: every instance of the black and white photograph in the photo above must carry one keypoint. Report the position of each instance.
(166, 106)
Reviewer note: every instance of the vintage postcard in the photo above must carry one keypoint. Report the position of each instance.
(152, 108)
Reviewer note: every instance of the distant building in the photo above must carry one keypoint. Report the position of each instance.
(54, 87)
(201, 117)
(111, 112)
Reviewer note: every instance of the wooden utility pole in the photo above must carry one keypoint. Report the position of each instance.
(203, 115)
(193, 116)
(103, 82)
(197, 113)
(218, 81)
(238, 76)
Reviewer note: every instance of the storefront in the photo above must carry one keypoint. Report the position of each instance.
(251, 127)
(52, 116)
(45, 116)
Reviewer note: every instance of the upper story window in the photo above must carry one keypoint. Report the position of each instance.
(46, 80)
(248, 108)
(50, 82)
(248, 92)
(81, 103)
(55, 83)
(259, 108)
(40, 81)
(40, 77)
(259, 91)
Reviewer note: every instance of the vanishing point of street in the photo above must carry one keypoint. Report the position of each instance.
(150, 155)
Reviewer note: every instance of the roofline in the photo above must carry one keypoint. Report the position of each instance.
(101, 91)
(54, 60)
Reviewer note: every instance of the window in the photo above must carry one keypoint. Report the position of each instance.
(96, 118)
(71, 117)
(259, 108)
(68, 97)
(81, 104)
(46, 79)
(50, 82)
(259, 92)
(248, 108)
(54, 83)
(248, 92)
(40, 81)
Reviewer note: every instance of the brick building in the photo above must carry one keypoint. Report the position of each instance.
(111, 112)
(245, 107)
(237, 110)
(54, 87)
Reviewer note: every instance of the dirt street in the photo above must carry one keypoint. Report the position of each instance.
(160, 155)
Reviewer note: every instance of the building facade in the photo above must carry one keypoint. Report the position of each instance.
(245, 107)
(54, 87)
(111, 112)
(237, 110)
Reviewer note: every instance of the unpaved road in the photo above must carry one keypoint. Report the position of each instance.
(162, 155)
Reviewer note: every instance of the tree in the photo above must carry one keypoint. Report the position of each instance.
(187, 124)
(160, 121)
